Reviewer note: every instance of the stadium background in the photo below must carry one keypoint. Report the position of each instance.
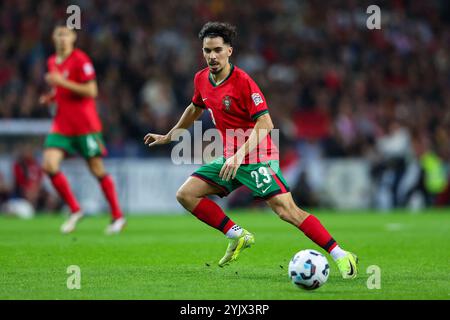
(364, 115)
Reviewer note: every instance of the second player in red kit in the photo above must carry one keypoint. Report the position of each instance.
(76, 127)
(76, 115)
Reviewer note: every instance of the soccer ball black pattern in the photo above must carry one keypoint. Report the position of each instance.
(308, 269)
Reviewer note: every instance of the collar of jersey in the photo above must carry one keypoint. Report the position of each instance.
(228, 76)
(67, 58)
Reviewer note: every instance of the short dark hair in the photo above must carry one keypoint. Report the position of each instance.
(61, 23)
(218, 29)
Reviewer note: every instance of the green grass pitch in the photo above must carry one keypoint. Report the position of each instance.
(175, 257)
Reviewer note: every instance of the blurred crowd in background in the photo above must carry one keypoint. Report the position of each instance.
(335, 89)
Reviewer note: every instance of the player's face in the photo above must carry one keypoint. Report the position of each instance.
(216, 53)
(64, 39)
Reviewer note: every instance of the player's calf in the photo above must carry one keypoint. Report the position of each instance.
(61, 184)
(283, 205)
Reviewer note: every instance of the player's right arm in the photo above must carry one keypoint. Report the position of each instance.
(190, 114)
(87, 89)
(47, 98)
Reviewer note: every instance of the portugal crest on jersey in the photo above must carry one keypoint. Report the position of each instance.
(226, 103)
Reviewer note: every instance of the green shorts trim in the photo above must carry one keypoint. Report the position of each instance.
(264, 179)
(87, 145)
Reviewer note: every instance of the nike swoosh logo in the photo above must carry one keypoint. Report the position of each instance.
(351, 269)
(205, 99)
(264, 190)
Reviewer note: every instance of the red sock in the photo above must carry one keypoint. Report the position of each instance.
(314, 230)
(109, 191)
(210, 213)
(61, 184)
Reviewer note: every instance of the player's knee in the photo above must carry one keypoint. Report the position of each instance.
(49, 167)
(97, 172)
(183, 197)
(97, 169)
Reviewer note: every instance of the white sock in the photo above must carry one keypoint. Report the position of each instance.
(337, 253)
(234, 232)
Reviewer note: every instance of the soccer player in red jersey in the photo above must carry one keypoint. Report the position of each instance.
(236, 104)
(76, 126)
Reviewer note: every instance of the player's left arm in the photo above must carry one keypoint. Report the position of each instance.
(261, 129)
(87, 89)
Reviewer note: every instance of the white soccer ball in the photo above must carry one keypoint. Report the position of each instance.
(309, 269)
(20, 208)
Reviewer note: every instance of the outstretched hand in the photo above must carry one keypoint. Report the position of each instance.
(46, 98)
(152, 139)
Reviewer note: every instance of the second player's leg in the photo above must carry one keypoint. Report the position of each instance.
(51, 165)
(97, 168)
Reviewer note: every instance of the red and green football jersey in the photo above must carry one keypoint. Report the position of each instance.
(234, 105)
(75, 114)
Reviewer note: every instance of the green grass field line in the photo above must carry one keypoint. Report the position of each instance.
(167, 257)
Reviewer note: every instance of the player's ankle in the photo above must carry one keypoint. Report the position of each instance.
(234, 232)
(337, 253)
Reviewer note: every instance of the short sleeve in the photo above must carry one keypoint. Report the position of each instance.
(87, 71)
(197, 98)
(254, 99)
